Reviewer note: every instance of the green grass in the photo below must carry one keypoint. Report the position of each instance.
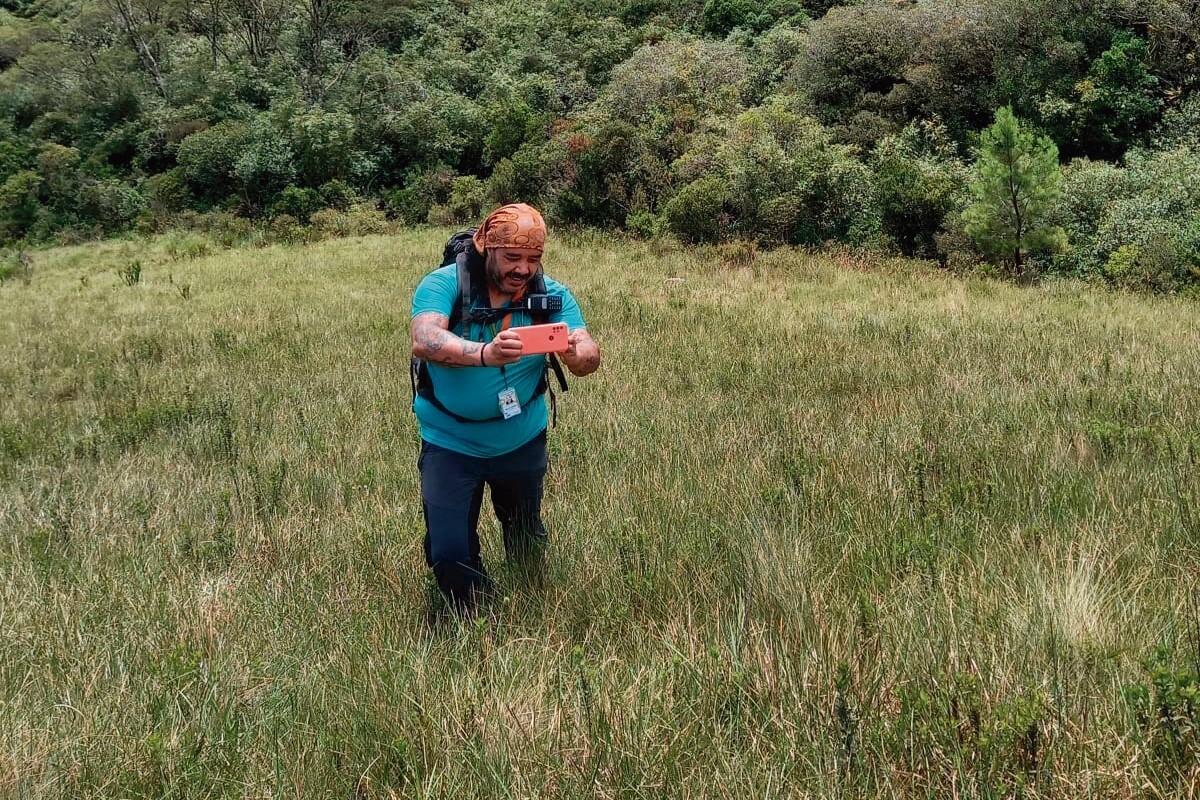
(821, 527)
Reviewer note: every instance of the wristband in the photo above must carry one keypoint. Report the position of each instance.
(483, 350)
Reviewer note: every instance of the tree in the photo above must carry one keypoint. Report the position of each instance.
(1017, 181)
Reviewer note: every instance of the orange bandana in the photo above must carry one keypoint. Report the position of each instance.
(513, 225)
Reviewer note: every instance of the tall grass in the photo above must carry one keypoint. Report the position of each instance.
(820, 528)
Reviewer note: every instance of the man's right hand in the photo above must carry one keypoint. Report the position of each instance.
(504, 349)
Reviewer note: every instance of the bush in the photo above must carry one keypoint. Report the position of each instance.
(225, 228)
(297, 203)
(422, 191)
(265, 165)
(365, 218)
(856, 56)
(286, 229)
(19, 205)
(338, 194)
(323, 142)
(1133, 226)
(721, 16)
(209, 158)
(787, 181)
(695, 214)
(670, 86)
(465, 205)
(111, 203)
(644, 225)
(329, 223)
(361, 220)
(919, 179)
(167, 193)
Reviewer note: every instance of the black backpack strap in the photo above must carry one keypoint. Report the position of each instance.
(463, 302)
(423, 386)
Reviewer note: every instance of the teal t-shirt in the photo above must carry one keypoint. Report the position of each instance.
(474, 391)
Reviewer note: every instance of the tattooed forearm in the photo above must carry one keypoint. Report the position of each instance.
(432, 341)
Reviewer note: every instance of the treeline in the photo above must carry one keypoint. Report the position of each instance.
(777, 122)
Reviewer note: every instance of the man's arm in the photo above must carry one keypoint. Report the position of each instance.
(433, 342)
(582, 356)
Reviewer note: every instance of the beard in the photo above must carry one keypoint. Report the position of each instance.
(509, 281)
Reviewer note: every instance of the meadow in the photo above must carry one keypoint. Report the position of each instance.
(822, 526)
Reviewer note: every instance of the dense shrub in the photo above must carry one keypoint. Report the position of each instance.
(694, 214)
(266, 164)
(297, 203)
(785, 178)
(167, 193)
(855, 64)
(722, 16)
(465, 204)
(669, 87)
(360, 220)
(19, 205)
(209, 158)
(324, 145)
(1156, 218)
(111, 204)
(338, 194)
(919, 179)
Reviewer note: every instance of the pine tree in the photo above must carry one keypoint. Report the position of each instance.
(1017, 181)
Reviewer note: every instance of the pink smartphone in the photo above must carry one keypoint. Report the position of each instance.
(548, 338)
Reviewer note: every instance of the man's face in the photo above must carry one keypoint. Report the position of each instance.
(510, 268)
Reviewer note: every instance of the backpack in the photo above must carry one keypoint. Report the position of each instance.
(460, 251)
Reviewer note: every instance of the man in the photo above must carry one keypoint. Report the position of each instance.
(482, 408)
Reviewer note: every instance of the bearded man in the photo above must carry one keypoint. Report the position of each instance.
(482, 406)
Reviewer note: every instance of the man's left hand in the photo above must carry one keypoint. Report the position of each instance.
(582, 355)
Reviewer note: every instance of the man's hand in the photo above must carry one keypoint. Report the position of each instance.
(504, 349)
(582, 355)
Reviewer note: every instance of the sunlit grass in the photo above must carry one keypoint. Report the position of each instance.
(821, 525)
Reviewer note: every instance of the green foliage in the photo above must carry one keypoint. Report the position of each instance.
(465, 204)
(854, 67)
(111, 204)
(19, 204)
(265, 165)
(787, 181)
(300, 204)
(722, 16)
(601, 112)
(209, 158)
(421, 192)
(324, 145)
(1016, 184)
(338, 194)
(167, 192)
(669, 87)
(613, 171)
(920, 180)
(694, 214)
(1167, 710)
(1118, 99)
(1135, 226)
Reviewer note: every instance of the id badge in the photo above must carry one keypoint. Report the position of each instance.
(509, 405)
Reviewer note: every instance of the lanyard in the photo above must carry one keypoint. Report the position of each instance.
(490, 331)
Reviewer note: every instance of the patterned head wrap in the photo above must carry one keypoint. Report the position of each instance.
(513, 225)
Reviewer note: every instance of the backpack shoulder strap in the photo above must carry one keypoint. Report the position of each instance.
(463, 300)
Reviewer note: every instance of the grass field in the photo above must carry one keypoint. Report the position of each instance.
(822, 527)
